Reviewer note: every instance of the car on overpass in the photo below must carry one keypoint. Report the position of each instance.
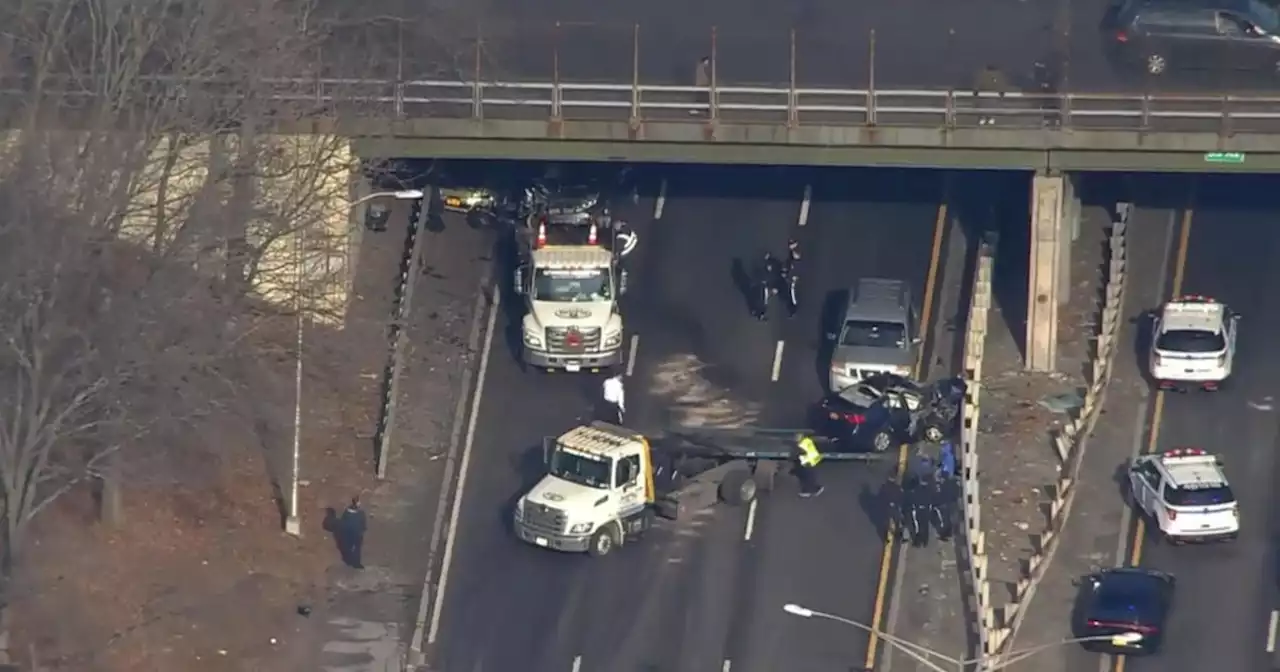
(1158, 36)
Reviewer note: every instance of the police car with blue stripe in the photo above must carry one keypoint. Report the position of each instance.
(1184, 494)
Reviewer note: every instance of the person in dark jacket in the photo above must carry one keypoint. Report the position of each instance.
(989, 80)
(702, 80)
(351, 528)
(764, 285)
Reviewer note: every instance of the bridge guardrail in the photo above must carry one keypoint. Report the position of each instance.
(795, 107)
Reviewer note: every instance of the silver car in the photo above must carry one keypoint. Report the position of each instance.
(876, 333)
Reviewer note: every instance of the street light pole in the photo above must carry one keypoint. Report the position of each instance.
(401, 195)
(292, 521)
(928, 657)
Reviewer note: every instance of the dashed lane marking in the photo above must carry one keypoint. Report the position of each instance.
(746, 535)
(631, 354)
(662, 200)
(1271, 631)
(804, 205)
(777, 361)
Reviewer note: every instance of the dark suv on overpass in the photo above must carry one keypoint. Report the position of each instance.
(1156, 36)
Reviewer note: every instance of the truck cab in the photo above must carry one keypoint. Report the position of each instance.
(571, 290)
(597, 492)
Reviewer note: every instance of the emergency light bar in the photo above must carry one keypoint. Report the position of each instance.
(1194, 298)
(1183, 453)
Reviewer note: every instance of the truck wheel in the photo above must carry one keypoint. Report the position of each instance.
(882, 441)
(603, 541)
(738, 488)
(933, 433)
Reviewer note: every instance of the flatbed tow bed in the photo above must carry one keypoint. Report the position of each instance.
(703, 470)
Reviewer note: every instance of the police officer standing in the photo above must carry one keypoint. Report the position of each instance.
(807, 459)
(762, 286)
(351, 529)
(787, 277)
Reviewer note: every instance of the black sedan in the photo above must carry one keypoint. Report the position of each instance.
(886, 410)
(1122, 611)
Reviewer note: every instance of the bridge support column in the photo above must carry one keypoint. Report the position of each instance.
(1055, 224)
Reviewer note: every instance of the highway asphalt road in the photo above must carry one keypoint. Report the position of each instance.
(693, 597)
(1226, 593)
(916, 43)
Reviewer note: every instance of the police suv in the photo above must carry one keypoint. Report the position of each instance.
(1193, 343)
(1185, 493)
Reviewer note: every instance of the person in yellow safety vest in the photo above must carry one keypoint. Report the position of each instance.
(807, 460)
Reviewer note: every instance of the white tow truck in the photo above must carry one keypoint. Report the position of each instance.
(571, 287)
(1184, 492)
(1193, 343)
(606, 485)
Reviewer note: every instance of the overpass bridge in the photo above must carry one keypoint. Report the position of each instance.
(1054, 135)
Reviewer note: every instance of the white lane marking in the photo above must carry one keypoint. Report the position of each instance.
(450, 537)
(746, 536)
(662, 200)
(1106, 663)
(777, 361)
(1271, 631)
(631, 354)
(427, 600)
(804, 204)
(577, 663)
(726, 666)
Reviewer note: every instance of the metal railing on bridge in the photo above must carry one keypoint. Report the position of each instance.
(639, 103)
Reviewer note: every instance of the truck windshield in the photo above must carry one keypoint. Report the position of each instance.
(865, 334)
(579, 469)
(572, 286)
(1191, 340)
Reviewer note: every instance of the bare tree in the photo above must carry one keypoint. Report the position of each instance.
(141, 213)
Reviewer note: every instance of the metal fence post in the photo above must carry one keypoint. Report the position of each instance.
(713, 96)
(1224, 130)
(793, 114)
(477, 90)
(555, 73)
(871, 80)
(398, 91)
(635, 74)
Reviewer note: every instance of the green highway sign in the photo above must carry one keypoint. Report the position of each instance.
(1224, 157)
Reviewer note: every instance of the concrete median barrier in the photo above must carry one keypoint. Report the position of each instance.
(975, 560)
(1070, 443)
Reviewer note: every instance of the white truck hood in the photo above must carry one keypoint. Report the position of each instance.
(567, 314)
(565, 495)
